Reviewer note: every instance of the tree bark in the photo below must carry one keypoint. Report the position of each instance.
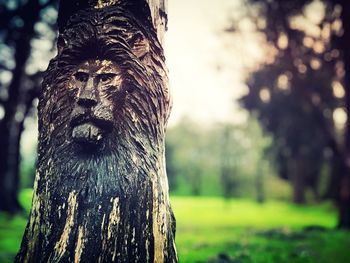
(101, 191)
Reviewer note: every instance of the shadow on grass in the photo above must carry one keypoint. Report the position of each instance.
(313, 244)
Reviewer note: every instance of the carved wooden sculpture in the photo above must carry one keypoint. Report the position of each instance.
(101, 192)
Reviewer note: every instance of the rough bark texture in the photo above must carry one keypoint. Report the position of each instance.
(101, 191)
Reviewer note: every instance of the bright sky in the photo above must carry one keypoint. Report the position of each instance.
(205, 63)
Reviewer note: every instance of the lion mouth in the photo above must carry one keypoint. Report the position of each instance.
(89, 131)
(88, 134)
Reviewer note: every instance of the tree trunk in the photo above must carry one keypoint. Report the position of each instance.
(344, 182)
(259, 182)
(296, 172)
(101, 191)
(11, 126)
(9, 167)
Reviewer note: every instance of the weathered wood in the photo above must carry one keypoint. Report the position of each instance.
(159, 11)
(101, 191)
(154, 11)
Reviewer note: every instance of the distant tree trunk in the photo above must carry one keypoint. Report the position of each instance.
(194, 175)
(101, 191)
(227, 167)
(344, 182)
(171, 167)
(11, 126)
(10, 151)
(259, 182)
(9, 164)
(296, 172)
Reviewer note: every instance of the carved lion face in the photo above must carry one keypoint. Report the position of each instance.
(96, 83)
(106, 91)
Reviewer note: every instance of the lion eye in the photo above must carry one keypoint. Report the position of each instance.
(81, 76)
(106, 77)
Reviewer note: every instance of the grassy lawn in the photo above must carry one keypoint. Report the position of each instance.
(215, 230)
(12, 228)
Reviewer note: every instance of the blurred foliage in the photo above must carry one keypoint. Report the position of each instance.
(229, 160)
(298, 92)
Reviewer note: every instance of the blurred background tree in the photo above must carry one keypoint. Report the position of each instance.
(224, 160)
(300, 94)
(24, 26)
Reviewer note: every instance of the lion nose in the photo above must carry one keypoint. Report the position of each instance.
(87, 96)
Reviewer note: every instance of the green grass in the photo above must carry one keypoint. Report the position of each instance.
(240, 231)
(12, 228)
(215, 230)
